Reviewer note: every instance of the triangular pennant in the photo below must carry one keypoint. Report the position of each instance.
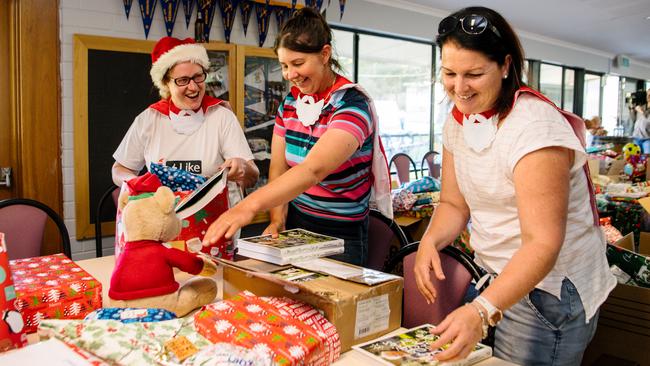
(170, 10)
(281, 15)
(127, 7)
(293, 5)
(317, 4)
(188, 7)
(246, 7)
(228, 11)
(259, 107)
(206, 7)
(263, 12)
(255, 78)
(342, 7)
(147, 8)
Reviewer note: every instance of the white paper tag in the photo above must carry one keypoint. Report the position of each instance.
(133, 314)
(372, 316)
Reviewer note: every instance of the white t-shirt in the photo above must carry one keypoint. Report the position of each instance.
(486, 181)
(151, 138)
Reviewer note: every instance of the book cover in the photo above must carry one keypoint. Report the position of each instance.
(412, 347)
(289, 243)
(282, 260)
(202, 195)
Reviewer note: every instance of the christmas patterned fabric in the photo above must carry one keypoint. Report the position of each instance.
(53, 287)
(627, 216)
(12, 324)
(126, 344)
(248, 321)
(634, 265)
(131, 315)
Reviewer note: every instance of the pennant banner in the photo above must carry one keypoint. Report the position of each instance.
(314, 4)
(206, 7)
(127, 7)
(188, 7)
(342, 7)
(281, 15)
(170, 10)
(246, 7)
(147, 9)
(228, 11)
(263, 12)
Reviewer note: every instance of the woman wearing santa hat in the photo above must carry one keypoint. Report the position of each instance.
(326, 159)
(186, 129)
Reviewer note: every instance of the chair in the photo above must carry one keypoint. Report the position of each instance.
(431, 164)
(385, 238)
(459, 270)
(403, 165)
(23, 222)
(114, 192)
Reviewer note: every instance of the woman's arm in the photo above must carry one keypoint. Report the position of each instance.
(333, 148)
(541, 181)
(278, 214)
(448, 221)
(121, 174)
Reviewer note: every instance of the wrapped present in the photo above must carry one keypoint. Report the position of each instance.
(131, 315)
(53, 287)
(12, 325)
(635, 265)
(125, 343)
(195, 225)
(248, 321)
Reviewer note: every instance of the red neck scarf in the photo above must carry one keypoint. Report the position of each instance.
(338, 82)
(165, 105)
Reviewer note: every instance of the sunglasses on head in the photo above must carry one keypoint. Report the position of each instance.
(470, 24)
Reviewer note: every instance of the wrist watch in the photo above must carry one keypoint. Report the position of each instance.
(494, 314)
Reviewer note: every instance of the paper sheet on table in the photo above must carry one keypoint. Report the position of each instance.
(356, 274)
(51, 352)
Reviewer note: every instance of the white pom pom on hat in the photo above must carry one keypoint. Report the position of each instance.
(170, 51)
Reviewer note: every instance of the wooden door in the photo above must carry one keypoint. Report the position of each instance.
(30, 105)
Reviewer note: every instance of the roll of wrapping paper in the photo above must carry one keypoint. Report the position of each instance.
(12, 325)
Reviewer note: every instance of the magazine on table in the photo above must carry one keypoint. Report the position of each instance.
(290, 245)
(412, 347)
(202, 195)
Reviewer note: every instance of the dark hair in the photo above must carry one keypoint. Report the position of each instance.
(495, 46)
(307, 32)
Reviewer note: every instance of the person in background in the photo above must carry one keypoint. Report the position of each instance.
(642, 121)
(325, 153)
(187, 128)
(514, 166)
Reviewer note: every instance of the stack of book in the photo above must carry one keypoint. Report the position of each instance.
(290, 246)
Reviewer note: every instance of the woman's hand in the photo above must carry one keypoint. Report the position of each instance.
(228, 223)
(236, 169)
(463, 327)
(274, 228)
(427, 259)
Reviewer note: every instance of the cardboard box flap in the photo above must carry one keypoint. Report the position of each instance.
(626, 242)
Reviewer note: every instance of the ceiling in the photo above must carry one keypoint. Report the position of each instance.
(612, 26)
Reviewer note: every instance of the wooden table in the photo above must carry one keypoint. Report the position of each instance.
(101, 269)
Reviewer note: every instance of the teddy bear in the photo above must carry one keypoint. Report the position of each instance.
(143, 276)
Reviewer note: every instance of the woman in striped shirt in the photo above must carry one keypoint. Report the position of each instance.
(325, 154)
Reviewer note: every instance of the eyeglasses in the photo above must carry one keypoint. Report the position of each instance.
(470, 24)
(185, 80)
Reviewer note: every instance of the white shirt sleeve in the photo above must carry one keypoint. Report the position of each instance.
(233, 141)
(131, 150)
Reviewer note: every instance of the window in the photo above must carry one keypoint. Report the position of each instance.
(344, 50)
(550, 82)
(568, 90)
(591, 96)
(610, 106)
(397, 74)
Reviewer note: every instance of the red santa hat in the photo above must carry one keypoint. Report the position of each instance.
(170, 51)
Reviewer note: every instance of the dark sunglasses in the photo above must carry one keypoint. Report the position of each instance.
(470, 24)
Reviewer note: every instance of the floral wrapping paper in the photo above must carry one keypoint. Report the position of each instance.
(123, 344)
(247, 320)
(53, 287)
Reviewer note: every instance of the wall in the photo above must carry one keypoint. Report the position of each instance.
(107, 18)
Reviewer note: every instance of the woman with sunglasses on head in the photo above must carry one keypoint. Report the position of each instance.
(325, 153)
(186, 129)
(514, 166)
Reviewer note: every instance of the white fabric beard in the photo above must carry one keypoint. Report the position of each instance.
(187, 121)
(307, 110)
(479, 132)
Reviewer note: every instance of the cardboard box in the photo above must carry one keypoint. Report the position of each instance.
(623, 327)
(53, 287)
(359, 312)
